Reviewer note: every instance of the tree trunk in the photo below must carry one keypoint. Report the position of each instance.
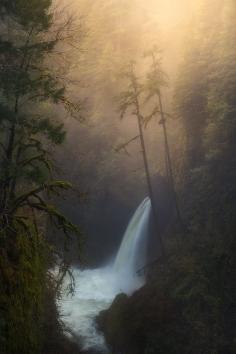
(170, 174)
(149, 183)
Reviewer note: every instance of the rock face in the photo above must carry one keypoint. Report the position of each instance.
(144, 323)
(111, 323)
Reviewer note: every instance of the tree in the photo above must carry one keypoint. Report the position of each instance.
(156, 80)
(131, 100)
(30, 85)
(209, 194)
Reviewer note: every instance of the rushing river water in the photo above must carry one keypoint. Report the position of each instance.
(96, 289)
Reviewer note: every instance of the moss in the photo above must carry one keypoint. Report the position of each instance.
(22, 278)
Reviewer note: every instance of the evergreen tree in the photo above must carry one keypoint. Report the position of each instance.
(29, 87)
(155, 81)
(209, 192)
(131, 99)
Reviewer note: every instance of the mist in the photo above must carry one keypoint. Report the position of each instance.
(117, 176)
(93, 158)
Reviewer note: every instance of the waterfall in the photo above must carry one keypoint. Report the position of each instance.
(96, 288)
(132, 253)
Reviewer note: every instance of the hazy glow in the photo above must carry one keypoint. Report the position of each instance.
(120, 31)
(169, 11)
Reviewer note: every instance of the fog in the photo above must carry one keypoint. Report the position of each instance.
(113, 33)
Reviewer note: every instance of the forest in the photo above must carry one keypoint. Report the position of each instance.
(117, 177)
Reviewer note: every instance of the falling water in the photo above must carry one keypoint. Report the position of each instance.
(96, 289)
(132, 253)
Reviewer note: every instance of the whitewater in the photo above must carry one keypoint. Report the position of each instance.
(95, 289)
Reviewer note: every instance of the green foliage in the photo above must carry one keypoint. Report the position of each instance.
(28, 13)
(207, 112)
(29, 87)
